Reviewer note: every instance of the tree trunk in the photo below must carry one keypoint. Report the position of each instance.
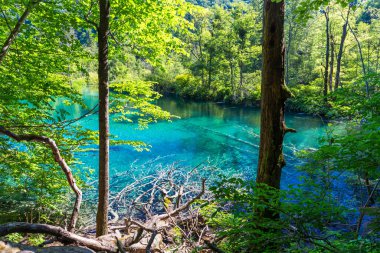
(377, 56)
(62, 163)
(103, 30)
(361, 59)
(241, 65)
(232, 81)
(210, 71)
(331, 74)
(326, 73)
(202, 60)
(340, 53)
(16, 29)
(273, 96)
(368, 58)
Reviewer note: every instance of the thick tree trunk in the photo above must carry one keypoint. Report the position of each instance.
(103, 30)
(22, 227)
(62, 163)
(16, 30)
(273, 96)
(326, 73)
(340, 53)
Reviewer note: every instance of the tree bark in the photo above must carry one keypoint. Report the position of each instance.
(103, 72)
(16, 30)
(22, 227)
(62, 163)
(340, 53)
(273, 96)
(326, 73)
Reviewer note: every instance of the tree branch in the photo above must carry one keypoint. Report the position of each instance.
(150, 242)
(62, 163)
(16, 29)
(186, 205)
(23, 227)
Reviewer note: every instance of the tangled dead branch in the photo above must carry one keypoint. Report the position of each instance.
(161, 208)
(157, 213)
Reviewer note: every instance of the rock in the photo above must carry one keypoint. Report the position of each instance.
(20, 248)
(5, 248)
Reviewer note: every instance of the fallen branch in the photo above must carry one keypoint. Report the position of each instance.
(58, 158)
(150, 242)
(64, 235)
(120, 246)
(186, 205)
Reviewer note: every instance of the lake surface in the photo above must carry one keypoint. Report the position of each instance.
(221, 134)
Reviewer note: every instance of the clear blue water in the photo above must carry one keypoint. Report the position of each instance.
(222, 134)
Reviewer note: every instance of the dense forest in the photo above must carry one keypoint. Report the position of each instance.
(272, 106)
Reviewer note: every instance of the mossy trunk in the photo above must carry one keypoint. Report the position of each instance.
(273, 96)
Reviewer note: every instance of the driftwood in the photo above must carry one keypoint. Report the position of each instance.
(62, 234)
(62, 163)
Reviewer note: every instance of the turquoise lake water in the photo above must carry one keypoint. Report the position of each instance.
(221, 134)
